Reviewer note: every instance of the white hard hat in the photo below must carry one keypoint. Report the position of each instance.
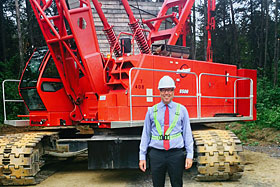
(166, 82)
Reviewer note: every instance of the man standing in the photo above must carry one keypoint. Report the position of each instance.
(167, 132)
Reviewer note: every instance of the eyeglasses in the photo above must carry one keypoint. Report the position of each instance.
(166, 89)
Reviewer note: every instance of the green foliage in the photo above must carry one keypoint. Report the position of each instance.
(9, 70)
(244, 131)
(277, 139)
(268, 104)
(268, 112)
(269, 117)
(254, 144)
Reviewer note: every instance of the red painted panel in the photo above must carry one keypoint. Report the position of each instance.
(218, 86)
(43, 118)
(107, 107)
(61, 103)
(89, 106)
(243, 91)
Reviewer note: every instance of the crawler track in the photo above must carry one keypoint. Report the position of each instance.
(20, 157)
(218, 155)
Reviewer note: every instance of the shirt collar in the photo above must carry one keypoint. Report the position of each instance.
(170, 105)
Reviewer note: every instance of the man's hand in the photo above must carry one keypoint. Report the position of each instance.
(142, 165)
(188, 163)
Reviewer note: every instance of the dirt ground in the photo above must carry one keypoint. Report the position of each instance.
(261, 170)
(262, 167)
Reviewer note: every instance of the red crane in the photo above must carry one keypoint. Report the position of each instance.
(74, 84)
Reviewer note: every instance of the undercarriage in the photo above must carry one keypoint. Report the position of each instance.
(218, 153)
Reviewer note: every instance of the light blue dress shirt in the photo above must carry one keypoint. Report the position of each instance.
(182, 126)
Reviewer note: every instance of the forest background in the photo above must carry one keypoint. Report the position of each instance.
(247, 34)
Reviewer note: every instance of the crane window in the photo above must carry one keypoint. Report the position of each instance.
(51, 86)
(31, 73)
(50, 70)
(32, 99)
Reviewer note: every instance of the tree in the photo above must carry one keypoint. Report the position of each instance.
(221, 39)
(20, 41)
(235, 35)
(267, 3)
(2, 26)
(276, 46)
(30, 23)
(193, 34)
(261, 35)
(205, 32)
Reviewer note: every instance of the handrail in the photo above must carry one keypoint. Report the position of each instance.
(8, 100)
(198, 90)
(167, 71)
(251, 96)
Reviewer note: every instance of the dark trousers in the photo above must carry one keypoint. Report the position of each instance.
(172, 161)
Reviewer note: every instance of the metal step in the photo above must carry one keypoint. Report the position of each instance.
(17, 123)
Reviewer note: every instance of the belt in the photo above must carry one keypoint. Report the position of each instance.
(169, 150)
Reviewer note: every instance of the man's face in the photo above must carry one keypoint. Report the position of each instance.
(166, 95)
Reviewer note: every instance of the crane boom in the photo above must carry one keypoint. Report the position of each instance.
(72, 41)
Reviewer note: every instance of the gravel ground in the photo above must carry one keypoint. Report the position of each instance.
(261, 170)
(271, 150)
